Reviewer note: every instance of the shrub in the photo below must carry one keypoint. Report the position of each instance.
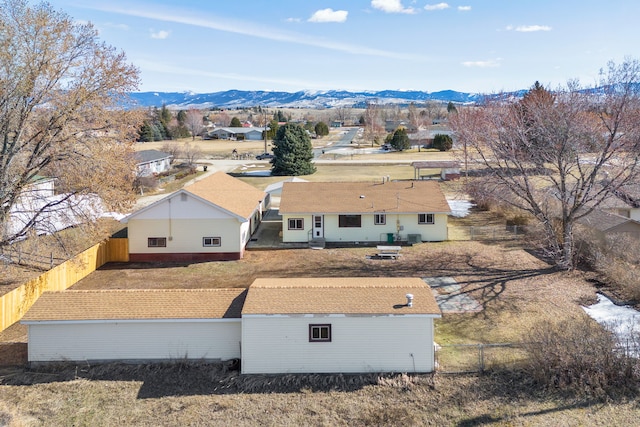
(442, 142)
(580, 356)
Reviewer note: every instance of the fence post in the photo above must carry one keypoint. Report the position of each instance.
(471, 233)
(51, 261)
(481, 356)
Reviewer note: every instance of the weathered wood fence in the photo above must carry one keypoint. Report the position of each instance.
(15, 304)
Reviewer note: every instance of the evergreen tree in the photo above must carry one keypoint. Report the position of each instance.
(182, 117)
(235, 123)
(273, 129)
(145, 133)
(400, 140)
(442, 142)
(451, 108)
(293, 152)
(321, 129)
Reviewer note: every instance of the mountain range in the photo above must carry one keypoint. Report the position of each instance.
(302, 99)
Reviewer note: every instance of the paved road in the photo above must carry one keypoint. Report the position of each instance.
(344, 142)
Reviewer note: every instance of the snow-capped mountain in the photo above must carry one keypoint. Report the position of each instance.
(301, 99)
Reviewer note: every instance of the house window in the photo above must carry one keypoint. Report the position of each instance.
(379, 219)
(211, 241)
(425, 218)
(345, 221)
(296, 224)
(157, 242)
(320, 333)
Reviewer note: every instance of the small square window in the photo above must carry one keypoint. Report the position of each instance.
(379, 219)
(320, 333)
(296, 224)
(211, 241)
(157, 242)
(425, 218)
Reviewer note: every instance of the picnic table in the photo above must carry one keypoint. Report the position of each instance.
(392, 252)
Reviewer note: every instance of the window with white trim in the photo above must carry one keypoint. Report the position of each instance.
(296, 223)
(320, 333)
(426, 218)
(157, 242)
(211, 241)
(379, 219)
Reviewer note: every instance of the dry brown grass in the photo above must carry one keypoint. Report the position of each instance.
(515, 288)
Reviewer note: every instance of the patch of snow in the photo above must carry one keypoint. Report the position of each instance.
(258, 173)
(622, 320)
(459, 207)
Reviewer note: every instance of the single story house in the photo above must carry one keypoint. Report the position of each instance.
(211, 219)
(293, 325)
(237, 133)
(625, 202)
(151, 162)
(382, 211)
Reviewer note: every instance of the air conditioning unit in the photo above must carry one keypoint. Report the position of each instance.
(414, 238)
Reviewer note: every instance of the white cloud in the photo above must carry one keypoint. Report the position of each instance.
(528, 28)
(293, 19)
(252, 29)
(329, 15)
(438, 6)
(464, 8)
(391, 6)
(492, 63)
(161, 35)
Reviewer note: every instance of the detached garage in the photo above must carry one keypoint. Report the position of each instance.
(348, 325)
(135, 325)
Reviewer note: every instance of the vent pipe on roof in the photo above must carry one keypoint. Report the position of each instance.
(409, 300)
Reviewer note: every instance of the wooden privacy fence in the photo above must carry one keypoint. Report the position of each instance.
(15, 304)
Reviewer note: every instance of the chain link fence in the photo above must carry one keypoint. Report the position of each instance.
(488, 232)
(473, 358)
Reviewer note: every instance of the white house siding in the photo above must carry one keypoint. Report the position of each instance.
(280, 344)
(135, 341)
(368, 231)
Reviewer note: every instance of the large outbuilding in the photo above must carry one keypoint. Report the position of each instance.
(279, 325)
(212, 219)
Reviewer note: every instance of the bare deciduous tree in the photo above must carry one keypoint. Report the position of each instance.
(373, 126)
(60, 92)
(194, 122)
(587, 142)
(190, 153)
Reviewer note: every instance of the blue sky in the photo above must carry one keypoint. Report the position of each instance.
(286, 45)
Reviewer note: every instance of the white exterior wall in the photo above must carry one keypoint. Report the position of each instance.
(369, 231)
(634, 214)
(152, 340)
(280, 344)
(187, 220)
(186, 235)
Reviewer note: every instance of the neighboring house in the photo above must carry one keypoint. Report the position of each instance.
(626, 203)
(383, 211)
(212, 219)
(152, 162)
(135, 325)
(293, 325)
(606, 224)
(348, 325)
(237, 133)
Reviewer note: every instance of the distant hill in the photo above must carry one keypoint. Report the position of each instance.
(302, 99)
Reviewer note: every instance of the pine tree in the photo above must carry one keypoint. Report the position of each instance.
(400, 140)
(293, 152)
(235, 123)
(321, 129)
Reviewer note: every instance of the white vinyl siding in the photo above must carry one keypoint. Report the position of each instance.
(280, 344)
(369, 231)
(136, 341)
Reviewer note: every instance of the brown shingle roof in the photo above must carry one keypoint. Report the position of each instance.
(363, 197)
(228, 192)
(138, 304)
(353, 295)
